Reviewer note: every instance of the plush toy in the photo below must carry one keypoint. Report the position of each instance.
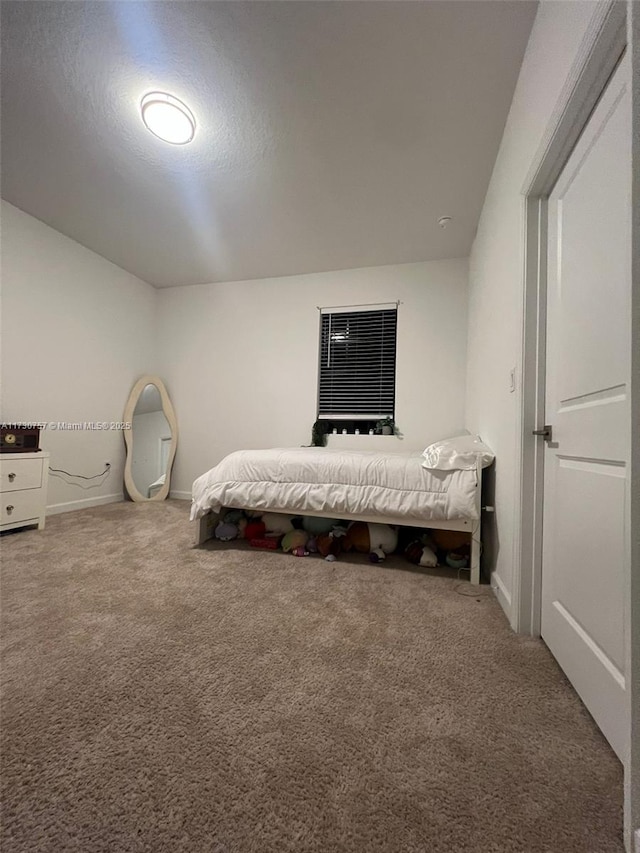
(271, 543)
(383, 539)
(300, 551)
(276, 523)
(457, 560)
(312, 545)
(319, 432)
(316, 526)
(420, 554)
(453, 547)
(254, 530)
(413, 551)
(377, 540)
(226, 531)
(449, 540)
(329, 546)
(422, 550)
(294, 539)
(233, 516)
(357, 538)
(428, 557)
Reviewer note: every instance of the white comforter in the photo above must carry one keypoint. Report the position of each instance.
(338, 483)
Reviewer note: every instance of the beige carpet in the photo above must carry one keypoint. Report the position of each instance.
(162, 699)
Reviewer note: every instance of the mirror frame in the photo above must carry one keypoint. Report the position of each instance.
(170, 415)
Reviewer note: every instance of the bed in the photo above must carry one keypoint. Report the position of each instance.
(388, 488)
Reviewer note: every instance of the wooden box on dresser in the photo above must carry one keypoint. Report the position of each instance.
(23, 478)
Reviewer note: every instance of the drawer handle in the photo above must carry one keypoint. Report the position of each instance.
(12, 477)
(10, 509)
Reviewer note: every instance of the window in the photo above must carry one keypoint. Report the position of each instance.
(357, 379)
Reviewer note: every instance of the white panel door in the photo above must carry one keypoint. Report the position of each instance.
(587, 404)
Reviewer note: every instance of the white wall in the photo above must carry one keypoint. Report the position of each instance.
(240, 360)
(77, 331)
(496, 273)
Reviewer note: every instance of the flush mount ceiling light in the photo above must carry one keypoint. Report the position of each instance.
(168, 118)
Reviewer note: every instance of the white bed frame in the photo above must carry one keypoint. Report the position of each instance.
(206, 525)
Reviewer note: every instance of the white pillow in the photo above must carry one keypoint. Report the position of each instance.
(460, 453)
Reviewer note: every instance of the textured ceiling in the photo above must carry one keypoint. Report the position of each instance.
(330, 135)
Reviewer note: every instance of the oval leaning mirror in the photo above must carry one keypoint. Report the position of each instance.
(151, 442)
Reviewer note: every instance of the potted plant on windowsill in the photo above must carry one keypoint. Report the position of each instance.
(386, 426)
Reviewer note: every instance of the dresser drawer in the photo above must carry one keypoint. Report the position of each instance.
(18, 474)
(20, 506)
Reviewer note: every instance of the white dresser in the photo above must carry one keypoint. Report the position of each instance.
(24, 489)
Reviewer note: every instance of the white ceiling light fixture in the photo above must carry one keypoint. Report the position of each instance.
(168, 118)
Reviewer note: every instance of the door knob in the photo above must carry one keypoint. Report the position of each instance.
(9, 509)
(12, 477)
(546, 432)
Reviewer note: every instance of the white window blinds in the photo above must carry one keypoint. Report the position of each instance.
(357, 363)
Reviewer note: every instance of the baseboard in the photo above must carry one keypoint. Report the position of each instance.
(501, 593)
(84, 503)
(180, 496)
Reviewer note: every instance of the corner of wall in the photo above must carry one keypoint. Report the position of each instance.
(92, 326)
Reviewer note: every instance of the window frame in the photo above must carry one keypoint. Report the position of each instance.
(353, 417)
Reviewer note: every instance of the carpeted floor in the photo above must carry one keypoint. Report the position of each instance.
(164, 699)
